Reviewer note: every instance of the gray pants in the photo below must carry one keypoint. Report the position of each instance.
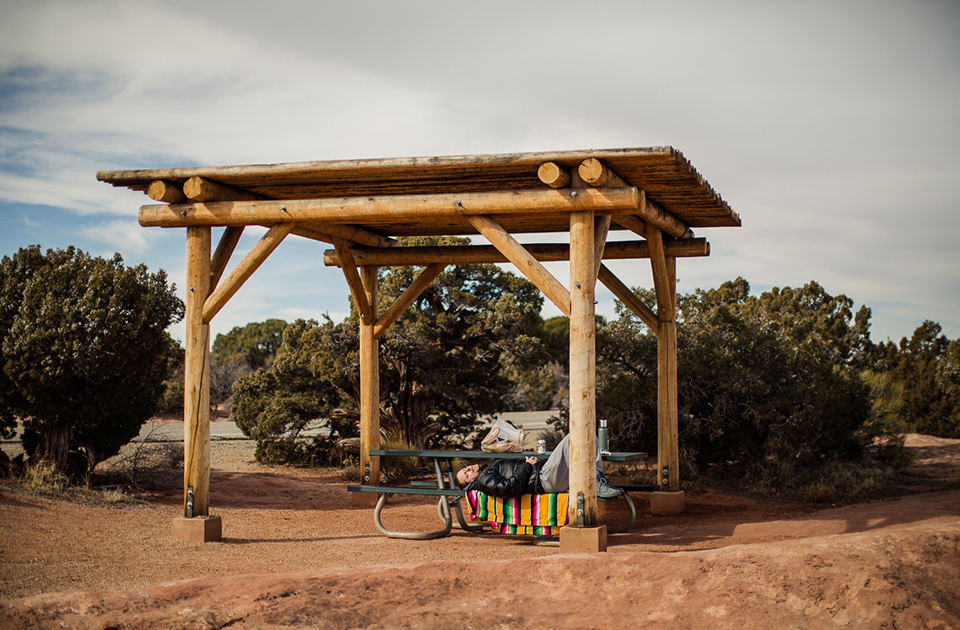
(555, 474)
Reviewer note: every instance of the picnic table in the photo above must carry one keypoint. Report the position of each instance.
(449, 495)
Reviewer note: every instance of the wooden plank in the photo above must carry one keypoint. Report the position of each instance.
(361, 210)
(393, 313)
(583, 424)
(369, 383)
(245, 269)
(196, 401)
(481, 254)
(667, 412)
(367, 316)
(629, 298)
(225, 248)
(524, 261)
(553, 175)
(166, 191)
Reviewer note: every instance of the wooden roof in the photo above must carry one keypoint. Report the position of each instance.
(662, 173)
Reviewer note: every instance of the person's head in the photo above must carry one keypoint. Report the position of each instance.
(467, 474)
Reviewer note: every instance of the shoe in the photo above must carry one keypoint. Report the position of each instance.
(606, 492)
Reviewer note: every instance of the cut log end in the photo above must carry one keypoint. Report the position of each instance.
(166, 192)
(553, 175)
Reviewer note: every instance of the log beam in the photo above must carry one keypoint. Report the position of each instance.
(245, 269)
(367, 316)
(327, 232)
(653, 214)
(209, 191)
(632, 222)
(203, 190)
(600, 229)
(392, 314)
(595, 173)
(523, 260)
(354, 233)
(661, 277)
(166, 191)
(304, 232)
(225, 248)
(553, 175)
(482, 254)
(629, 298)
(392, 207)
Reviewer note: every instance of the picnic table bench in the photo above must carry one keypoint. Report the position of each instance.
(445, 487)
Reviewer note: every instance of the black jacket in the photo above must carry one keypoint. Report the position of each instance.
(508, 478)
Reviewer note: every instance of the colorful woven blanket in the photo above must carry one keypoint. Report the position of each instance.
(530, 514)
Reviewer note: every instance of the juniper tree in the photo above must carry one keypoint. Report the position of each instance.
(84, 350)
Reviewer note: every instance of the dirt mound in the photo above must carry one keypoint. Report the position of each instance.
(905, 578)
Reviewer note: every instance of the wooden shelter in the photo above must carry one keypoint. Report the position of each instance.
(653, 195)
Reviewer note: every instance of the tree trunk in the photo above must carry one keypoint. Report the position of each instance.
(54, 445)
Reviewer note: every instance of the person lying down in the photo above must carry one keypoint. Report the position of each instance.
(512, 477)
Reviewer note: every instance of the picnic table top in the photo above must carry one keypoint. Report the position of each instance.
(442, 454)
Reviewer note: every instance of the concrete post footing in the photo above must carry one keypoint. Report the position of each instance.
(583, 539)
(199, 529)
(666, 503)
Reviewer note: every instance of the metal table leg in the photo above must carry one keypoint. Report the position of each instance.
(448, 525)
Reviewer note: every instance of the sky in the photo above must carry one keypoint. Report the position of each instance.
(832, 129)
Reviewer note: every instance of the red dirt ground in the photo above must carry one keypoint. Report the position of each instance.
(297, 554)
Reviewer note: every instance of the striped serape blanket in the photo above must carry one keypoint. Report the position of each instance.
(529, 514)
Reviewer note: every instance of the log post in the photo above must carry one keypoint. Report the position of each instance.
(196, 403)
(583, 471)
(369, 390)
(667, 447)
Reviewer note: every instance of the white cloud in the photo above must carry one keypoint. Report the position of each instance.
(118, 235)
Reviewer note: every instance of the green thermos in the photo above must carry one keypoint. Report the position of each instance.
(602, 440)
